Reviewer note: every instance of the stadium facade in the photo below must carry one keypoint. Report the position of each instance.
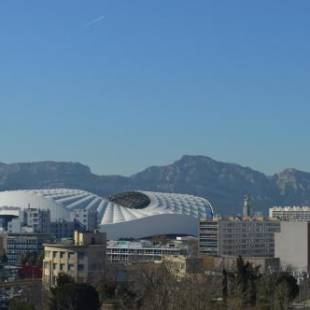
(137, 214)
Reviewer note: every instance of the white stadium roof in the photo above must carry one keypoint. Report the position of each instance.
(121, 213)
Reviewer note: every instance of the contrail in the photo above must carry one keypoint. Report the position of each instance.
(94, 21)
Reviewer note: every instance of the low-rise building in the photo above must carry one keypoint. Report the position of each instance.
(290, 213)
(142, 251)
(83, 260)
(234, 236)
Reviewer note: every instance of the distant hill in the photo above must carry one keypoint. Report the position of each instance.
(224, 184)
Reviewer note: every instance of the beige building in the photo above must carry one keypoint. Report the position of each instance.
(3, 243)
(82, 259)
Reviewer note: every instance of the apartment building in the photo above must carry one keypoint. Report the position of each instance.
(83, 259)
(290, 213)
(31, 220)
(234, 236)
(87, 218)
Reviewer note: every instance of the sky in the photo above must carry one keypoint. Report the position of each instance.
(121, 85)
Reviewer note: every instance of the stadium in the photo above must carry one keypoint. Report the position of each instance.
(136, 214)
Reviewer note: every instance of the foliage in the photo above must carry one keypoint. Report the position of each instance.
(154, 286)
(17, 304)
(3, 259)
(73, 296)
(242, 283)
(31, 259)
(247, 288)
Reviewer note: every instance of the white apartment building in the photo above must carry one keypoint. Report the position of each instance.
(290, 213)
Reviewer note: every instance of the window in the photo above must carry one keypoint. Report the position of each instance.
(70, 267)
(80, 255)
(61, 266)
(80, 267)
(54, 266)
(47, 254)
(54, 254)
(62, 254)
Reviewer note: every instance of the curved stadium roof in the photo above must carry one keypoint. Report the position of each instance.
(117, 209)
(59, 201)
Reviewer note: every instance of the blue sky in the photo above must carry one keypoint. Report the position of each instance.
(153, 80)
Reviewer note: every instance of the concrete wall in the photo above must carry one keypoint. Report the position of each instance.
(292, 245)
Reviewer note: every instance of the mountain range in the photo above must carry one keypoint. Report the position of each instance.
(224, 184)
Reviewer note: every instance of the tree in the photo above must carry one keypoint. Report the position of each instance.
(31, 259)
(276, 291)
(156, 286)
(241, 286)
(3, 259)
(68, 295)
(17, 304)
(285, 291)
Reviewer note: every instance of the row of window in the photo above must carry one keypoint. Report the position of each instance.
(70, 267)
(142, 252)
(62, 254)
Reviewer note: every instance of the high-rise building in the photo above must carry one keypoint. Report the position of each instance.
(65, 229)
(86, 218)
(248, 237)
(39, 219)
(30, 220)
(83, 260)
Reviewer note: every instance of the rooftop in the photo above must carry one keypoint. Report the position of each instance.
(144, 244)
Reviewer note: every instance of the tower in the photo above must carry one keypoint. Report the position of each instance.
(247, 206)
